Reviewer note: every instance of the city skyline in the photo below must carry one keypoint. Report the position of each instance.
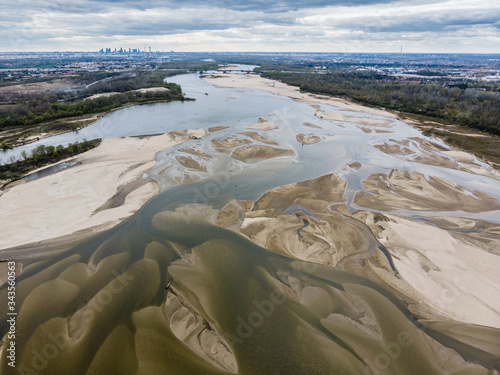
(453, 26)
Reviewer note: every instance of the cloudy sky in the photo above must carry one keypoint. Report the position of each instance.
(471, 26)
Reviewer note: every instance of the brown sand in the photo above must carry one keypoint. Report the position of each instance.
(256, 153)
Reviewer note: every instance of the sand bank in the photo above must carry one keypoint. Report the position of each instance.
(230, 142)
(256, 153)
(310, 125)
(66, 202)
(307, 139)
(346, 117)
(262, 124)
(453, 276)
(416, 191)
(215, 129)
(190, 163)
(260, 138)
(420, 150)
(252, 81)
(442, 275)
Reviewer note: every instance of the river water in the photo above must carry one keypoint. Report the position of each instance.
(276, 314)
(238, 109)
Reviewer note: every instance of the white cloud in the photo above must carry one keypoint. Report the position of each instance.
(458, 25)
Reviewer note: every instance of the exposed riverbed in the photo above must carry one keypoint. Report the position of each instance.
(295, 236)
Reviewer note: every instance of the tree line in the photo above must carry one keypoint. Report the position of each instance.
(33, 109)
(476, 107)
(43, 155)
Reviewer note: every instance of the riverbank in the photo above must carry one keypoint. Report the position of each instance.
(483, 145)
(103, 189)
(256, 82)
(11, 138)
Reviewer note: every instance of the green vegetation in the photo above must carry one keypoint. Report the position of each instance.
(28, 114)
(44, 155)
(476, 106)
(39, 111)
(36, 109)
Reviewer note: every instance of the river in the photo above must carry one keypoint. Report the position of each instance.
(100, 304)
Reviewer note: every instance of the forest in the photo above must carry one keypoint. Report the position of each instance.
(36, 108)
(472, 105)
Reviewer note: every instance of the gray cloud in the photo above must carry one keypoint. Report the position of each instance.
(194, 25)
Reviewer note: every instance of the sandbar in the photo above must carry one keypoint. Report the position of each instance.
(65, 202)
(256, 153)
(262, 124)
(307, 139)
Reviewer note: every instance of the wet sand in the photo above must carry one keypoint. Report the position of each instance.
(256, 153)
(419, 192)
(307, 139)
(444, 274)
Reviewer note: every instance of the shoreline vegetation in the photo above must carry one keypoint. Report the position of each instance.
(68, 104)
(43, 156)
(473, 106)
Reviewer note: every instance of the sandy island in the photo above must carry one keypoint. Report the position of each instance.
(67, 201)
(307, 139)
(262, 124)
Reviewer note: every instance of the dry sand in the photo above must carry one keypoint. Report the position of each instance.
(416, 191)
(262, 124)
(102, 95)
(195, 152)
(457, 279)
(65, 202)
(446, 274)
(345, 117)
